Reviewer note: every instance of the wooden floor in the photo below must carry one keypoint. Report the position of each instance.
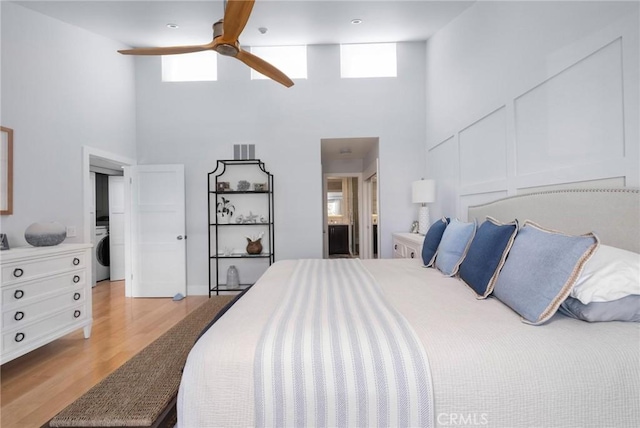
(38, 385)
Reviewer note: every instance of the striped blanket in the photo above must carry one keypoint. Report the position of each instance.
(336, 353)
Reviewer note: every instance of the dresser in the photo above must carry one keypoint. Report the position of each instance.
(407, 246)
(46, 294)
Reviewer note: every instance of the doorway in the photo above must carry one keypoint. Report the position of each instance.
(348, 165)
(104, 175)
(145, 256)
(343, 200)
(108, 211)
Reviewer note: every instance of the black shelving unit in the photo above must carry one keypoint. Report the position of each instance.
(220, 184)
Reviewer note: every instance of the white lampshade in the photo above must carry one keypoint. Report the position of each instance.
(423, 191)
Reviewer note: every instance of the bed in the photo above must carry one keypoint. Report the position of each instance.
(298, 349)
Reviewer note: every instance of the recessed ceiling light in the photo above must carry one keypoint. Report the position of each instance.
(172, 26)
(356, 21)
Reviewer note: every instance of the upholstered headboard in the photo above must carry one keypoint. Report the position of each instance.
(613, 214)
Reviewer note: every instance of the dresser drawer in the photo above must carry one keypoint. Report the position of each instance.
(411, 253)
(403, 251)
(399, 250)
(23, 337)
(25, 314)
(24, 293)
(407, 246)
(30, 269)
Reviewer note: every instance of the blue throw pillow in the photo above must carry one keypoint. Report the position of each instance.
(454, 245)
(487, 254)
(432, 240)
(542, 267)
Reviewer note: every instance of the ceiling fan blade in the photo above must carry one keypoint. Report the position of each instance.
(264, 67)
(170, 50)
(236, 16)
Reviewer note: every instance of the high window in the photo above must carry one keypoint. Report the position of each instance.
(368, 60)
(291, 60)
(192, 67)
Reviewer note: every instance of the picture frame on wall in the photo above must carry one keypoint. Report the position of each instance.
(6, 171)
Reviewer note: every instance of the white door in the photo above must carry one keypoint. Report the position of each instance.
(116, 227)
(158, 231)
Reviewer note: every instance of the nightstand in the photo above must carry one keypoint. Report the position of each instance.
(407, 246)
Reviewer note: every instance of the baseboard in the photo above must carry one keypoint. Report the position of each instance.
(197, 290)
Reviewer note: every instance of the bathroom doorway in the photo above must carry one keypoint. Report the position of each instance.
(343, 200)
(347, 221)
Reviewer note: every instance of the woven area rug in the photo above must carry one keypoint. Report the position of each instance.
(142, 392)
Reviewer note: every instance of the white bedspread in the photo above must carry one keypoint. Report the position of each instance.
(488, 368)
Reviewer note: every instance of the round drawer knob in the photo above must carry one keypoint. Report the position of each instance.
(19, 337)
(76, 296)
(76, 313)
(17, 272)
(76, 279)
(76, 261)
(18, 316)
(18, 294)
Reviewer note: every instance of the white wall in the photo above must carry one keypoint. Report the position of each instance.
(62, 88)
(343, 166)
(197, 123)
(528, 95)
(370, 162)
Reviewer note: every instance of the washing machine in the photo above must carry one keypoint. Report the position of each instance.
(101, 253)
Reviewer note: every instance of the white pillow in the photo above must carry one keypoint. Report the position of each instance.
(610, 274)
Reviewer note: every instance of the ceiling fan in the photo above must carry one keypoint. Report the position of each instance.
(225, 42)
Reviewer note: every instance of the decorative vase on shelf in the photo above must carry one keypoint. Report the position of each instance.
(233, 280)
(254, 247)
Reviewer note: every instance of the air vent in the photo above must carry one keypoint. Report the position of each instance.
(244, 151)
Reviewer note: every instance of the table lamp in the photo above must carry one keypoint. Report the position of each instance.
(423, 192)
